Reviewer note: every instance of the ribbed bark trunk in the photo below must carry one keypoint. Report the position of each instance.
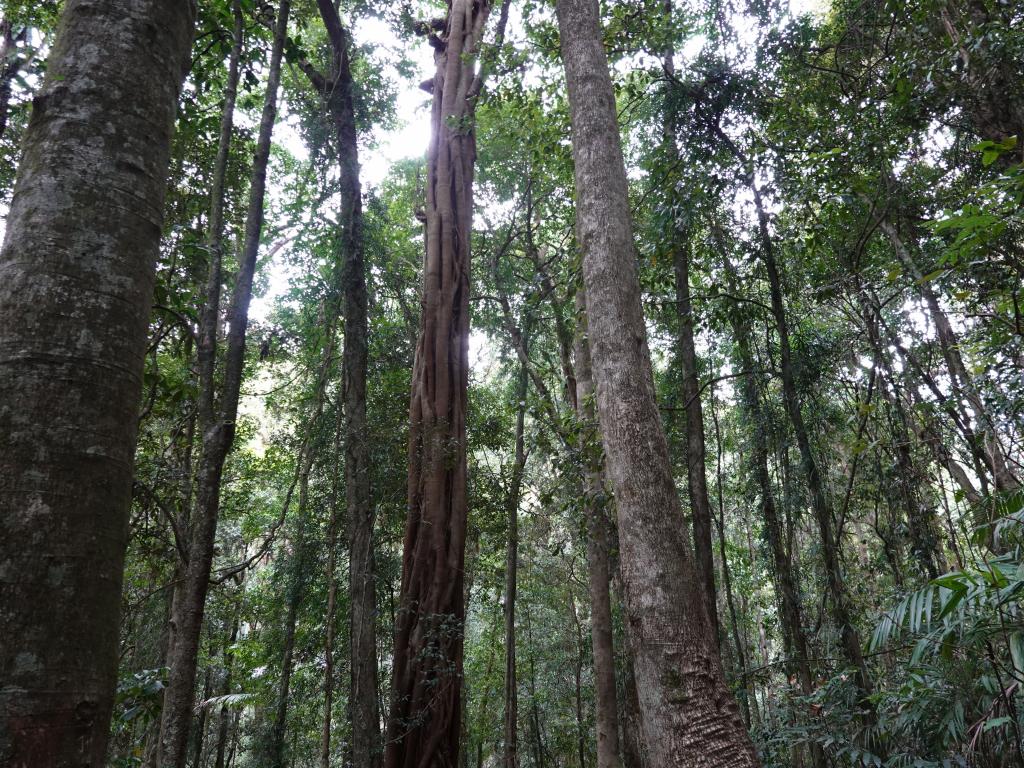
(598, 555)
(77, 269)
(426, 691)
(511, 752)
(688, 713)
(218, 437)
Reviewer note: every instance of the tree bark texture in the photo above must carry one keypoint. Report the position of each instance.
(76, 282)
(218, 438)
(598, 556)
(425, 714)
(688, 714)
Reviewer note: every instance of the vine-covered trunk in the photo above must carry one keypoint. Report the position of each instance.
(689, 716)
(426, 690)
(218, 437)
(76, 282)
(696, 472)
(820, 503)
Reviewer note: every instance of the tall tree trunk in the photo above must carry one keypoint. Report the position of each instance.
(77, 270)
(218, 437)
(514, 494)
(336, 91)
(790, 613)
(696, 472)
(820, 502)
(741, 653)
(330, 616)
(598, 556)
(424, 725)
(689, 715)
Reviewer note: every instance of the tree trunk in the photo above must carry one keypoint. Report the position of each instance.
(10, 65)
(225, 712)
(689, 716)
(511, 753)
(598, 557)
(741, 653)
(336, 91)
(816, 485)
(218, 437)
(988, 447)
(696, 473)
(77, 270)
(790, 610)
(424, 725)
(330, 616)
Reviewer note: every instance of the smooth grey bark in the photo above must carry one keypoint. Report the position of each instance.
(689, 716)
(217, 440)
(76, 282)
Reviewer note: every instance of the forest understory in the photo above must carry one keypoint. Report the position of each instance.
(533, 384)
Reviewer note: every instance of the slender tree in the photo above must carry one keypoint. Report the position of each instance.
(218, 431)
(598, 556)
(510, 757)
(689, 715)
(77, 268)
